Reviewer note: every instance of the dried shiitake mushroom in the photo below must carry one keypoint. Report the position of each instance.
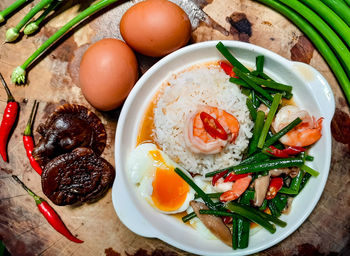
(68, 127)
(78, 176)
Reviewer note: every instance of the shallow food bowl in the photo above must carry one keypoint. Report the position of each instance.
(311, 91)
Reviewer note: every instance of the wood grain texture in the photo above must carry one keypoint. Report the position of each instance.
(54, 80)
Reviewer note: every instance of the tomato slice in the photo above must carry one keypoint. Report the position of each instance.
(213, 127)
(228, 68)
(275, 186)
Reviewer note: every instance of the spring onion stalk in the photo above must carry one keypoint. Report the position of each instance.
(210, 195)
(258, 157)
(340, 8)
(13, 7)
(266, 102)
(239, 81)
(276, 102)
(251, 108)
(259, 123)
(331, 37)
(347, 2)
(331, 18)
(271, 84)
(309, 170)
(13, 33)
(34, 25)
(19, 73)
(260, 63)
(234, 62)
(189, 216)
(252, 84)
(282, 132)
(317, 40)
(294, 185)
(261, 166)
(234, 231)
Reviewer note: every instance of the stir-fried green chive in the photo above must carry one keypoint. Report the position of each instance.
(260, 63)
(276, 102)
(294, 185)
(282, 132)
(198, 190)
(267, 103)
(309, 170)
(271, 84)
(258, 157)
(259, 123)
(189, 216)
(13, 33)
(331, 18)
(341, 9)
(234, 231)
(259, 167)
(34, 25)
(210, 195)
(317, 40)
(226, 53)
(18, 75)
(251, 109)
(13, 7)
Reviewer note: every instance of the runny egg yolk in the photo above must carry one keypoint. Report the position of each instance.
(169, 189)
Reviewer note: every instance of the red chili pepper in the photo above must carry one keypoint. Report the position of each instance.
(217, 176)
(28, 141)
(228, 68)
(233, 177)
(49, 213)
(275, 186)
(212, 126)
(227, 219)
(8, 120)
(283, 153)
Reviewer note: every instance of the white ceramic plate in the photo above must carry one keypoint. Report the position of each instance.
(311, 91)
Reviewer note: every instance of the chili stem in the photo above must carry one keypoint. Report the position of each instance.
(37, 199)
(10, 97)
(28, 129)
(275, 103)
(18, 75)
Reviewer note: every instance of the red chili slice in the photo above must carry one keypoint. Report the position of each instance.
(213, 127)
(284, 153)
(217, 176)
(233, 177)
(228, 68)
(275, 186)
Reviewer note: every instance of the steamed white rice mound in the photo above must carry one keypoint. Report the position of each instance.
(186, 91)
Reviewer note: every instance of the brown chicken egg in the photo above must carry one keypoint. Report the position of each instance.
(108, 71)
(155, 27)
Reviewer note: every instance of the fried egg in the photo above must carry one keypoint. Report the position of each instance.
(152, 171)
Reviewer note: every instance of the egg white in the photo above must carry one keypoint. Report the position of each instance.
(141, 168)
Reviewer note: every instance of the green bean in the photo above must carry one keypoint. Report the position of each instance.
(271, 84)
(259, 167)
(251, 108)
(252, 84)
(260, 63)
(330, 36)
(317, 40)
(210, 195)
(309, 170)
(226, 53)
(331, 18)
(341, 9)
(275, 103)
(189, 217)
(251, 214)
(259, 123)
(282, 132)
(198, 190)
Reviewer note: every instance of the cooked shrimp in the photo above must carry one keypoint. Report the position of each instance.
(200, 141)
(304, 134)
(237, 189)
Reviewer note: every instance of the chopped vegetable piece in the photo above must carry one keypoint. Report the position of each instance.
(271, 84)
(282, 132)
(234, 231)
(213, 127)
(252, 84)
(239, 81)
(284, 153)
(198, 190)
(226, 53)
(274, 186)
(251, 109)
(258, 157)
(267, 103)
(19, 73)
(260, 63)
(276, 102)
(259, 167)
(189, 216)
(309, 158)
(233, 177)
(228, 68)
(304, 181)
(217, 177)
(309, 170)
(210, 195)
(294, 185)
(258, 126)
(263, 205)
